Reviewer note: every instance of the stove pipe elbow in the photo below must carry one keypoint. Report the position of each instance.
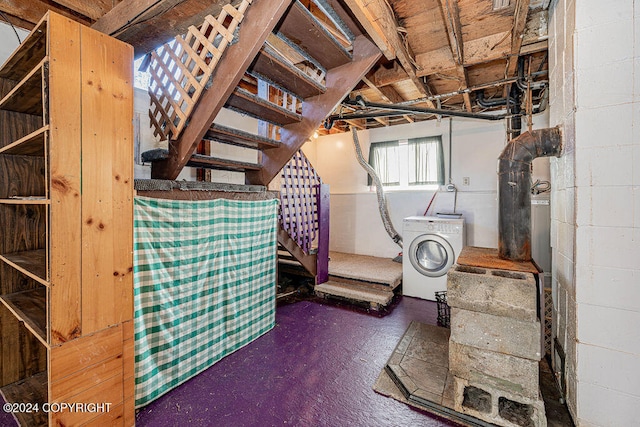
(514, 189)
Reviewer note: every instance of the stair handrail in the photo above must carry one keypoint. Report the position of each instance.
(304, 210)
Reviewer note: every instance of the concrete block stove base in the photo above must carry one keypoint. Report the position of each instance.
(419, 368)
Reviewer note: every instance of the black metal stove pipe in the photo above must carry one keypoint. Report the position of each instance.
(514, 188)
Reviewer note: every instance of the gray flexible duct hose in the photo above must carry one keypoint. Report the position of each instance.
(382, 201)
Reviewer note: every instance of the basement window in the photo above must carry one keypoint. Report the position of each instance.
(416, 163)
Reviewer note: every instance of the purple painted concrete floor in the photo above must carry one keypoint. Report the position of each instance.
(315, 368)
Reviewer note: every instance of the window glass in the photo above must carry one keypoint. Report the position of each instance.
(404, 163)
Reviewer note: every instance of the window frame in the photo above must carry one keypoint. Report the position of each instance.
(407, 171)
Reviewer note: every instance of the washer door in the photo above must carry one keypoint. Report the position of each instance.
(431, 255)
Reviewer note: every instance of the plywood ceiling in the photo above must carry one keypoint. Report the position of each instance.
(443, 54)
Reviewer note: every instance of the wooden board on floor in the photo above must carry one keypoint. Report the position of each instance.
(488, 258)
(29, 390)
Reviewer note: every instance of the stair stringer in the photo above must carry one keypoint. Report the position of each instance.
(259, 21)
(308, 261)
(339, 82)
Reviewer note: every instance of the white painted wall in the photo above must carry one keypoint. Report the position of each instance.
(9, 40)
(595, 96)
(356, 226)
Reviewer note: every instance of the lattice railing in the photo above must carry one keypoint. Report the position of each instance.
(304, 210)
(181, 69)
(299, 201)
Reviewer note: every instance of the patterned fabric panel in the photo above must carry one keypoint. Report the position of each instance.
(205, 280)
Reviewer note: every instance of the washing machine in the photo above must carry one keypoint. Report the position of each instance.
(431, 246)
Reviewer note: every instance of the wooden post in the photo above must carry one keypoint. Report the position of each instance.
(323, 204)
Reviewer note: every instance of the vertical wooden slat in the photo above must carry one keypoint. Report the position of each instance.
(323, 233)
(107, 181)
(64, 163)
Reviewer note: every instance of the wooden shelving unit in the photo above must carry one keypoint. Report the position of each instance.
(66, 215)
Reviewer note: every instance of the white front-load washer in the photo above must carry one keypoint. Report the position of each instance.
(431, 246)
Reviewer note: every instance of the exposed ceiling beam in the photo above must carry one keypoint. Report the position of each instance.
(147, 24)
(382, 19)
(377, 20)
(451, 16)
(92, 9)
(358, 123)
(387, 76)
(388, 94)
(519, 22)
(125, 13)
(31, 11)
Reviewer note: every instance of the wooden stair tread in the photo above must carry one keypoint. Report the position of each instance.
(202, 161)
(300, 26)
(245, 102)
(271, 66)
(238, 137)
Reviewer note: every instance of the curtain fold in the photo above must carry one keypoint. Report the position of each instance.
(426, 162)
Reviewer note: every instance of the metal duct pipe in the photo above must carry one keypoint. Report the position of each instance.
(514, 188)
(417, 110)
(488, 103)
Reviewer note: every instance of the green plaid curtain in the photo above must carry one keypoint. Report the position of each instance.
(205, 279)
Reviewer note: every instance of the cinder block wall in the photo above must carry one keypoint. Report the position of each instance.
(594, 58)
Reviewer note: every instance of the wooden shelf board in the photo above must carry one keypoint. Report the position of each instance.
(30, 263)
(262, 109)
(31, 51)
(26, 97)
(302, 27)
(29, 390)
(280, 71)
(29, 145)
(31, 308)
(26, 200)
(232, 136)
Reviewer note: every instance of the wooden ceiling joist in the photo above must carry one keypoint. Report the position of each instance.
(93, 9)
(519, 22)
(381, 24)
(29, 12)
(147, 24)
(451, 15)
(388, 94)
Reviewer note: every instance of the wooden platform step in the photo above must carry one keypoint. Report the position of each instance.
(272, 67)
(240, 138)
(243, 101)
(376, 298)
(310, 34)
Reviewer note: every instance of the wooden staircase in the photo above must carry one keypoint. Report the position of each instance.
(286, 67)
(276, 61)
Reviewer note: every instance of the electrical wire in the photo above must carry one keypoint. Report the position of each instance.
(14, 28)
(540, 187)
